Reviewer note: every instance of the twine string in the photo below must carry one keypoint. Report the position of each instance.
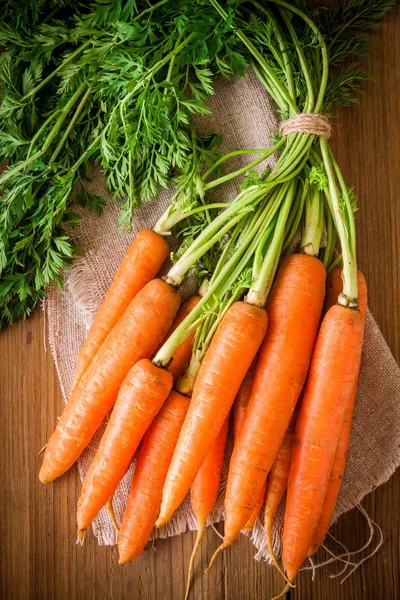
(311, 123)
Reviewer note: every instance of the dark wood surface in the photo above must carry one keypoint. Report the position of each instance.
(39, 557)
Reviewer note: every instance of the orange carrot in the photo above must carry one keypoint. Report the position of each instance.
(136, 335)
(239, 409)
(242, 399)
(256, 510)
(140, 264)
(148, 479)
(334, 287)
(141, 396)
(204, 490)
(181, 357)
(294, 312)
(277, 483)
(330, 385)
(222, 371)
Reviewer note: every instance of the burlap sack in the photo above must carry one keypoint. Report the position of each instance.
(242, 112)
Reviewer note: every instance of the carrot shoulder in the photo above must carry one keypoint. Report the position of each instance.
(330, 385)
(136, 335)
(222, 371)
(140, 264)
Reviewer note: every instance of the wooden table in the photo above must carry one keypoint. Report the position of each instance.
(39, 557)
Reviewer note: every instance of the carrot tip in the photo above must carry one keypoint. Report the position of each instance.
(268, 534)
(284, 591)
(81, 534)
(225, 544)
(312, 550)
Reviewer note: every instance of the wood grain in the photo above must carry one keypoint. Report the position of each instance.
(39, 557)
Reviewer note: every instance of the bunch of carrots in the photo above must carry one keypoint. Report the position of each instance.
(274, 339)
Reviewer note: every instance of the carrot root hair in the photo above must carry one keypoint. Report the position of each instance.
(42, 450)
(200, 532)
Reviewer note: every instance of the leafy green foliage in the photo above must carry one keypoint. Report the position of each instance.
(117, 82)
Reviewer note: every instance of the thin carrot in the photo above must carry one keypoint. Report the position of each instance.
(140, 264)
(136, 335)
(334, 287)
(239, 409)
(330, 385)
(256, 510)
(181, 357)
(148, 479)
(242, 399)
(204, 490)
(228, 358)
(277, 483)
(294, 309)
(140, 398)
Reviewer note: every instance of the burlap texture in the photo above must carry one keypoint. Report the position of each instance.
(245, 117)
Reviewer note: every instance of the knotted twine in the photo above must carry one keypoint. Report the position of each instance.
(244, 114)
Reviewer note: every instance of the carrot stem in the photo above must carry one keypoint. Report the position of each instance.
(259, 290)
(314, 221)
(349, 296)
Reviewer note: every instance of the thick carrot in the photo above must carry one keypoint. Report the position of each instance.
(204, 490)
(181, 357)
(148, 479)
(330, 385)
(294, 311)
(222, 371)
(136, 335)
(277, 483)
(140, 398)
(239, 409)
(334, 286)
(140, 264)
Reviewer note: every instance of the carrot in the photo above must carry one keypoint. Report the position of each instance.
(294, 312)
(334, 287)
(222, 371)
(136, 335)
(239, 409)
(148, 479)
(242, 399)
(204, 490)
(330, 385)
(181, 357)
(256, 510)
(277, 483)
(141, 396)
(140, 264)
